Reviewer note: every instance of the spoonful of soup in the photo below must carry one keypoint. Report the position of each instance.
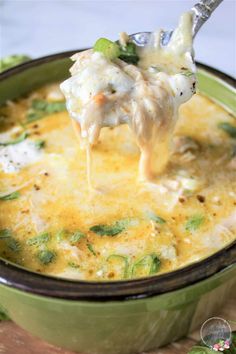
(141, 80)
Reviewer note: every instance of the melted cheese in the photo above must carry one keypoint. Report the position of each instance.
(147, 97)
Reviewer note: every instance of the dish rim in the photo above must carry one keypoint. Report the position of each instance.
(50, 286)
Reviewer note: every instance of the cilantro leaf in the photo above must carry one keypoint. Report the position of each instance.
(91, 249)
(194, 222)
(42, 108)
(110, 230)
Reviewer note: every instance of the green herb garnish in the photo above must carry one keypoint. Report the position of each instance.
(148, 265)
(91, 249)
(129, 54)
(194, 222)
(39, 239)
(45, 257)
(60, 235)
(13, 244)
(76, 237)
(123, 259)
(18, 140)
(110, 230)
(228, 128)
(73, 265)
(152, 216)
(11, 196)
(5, 233)
(39, 144)
(42, 108)
(112, 50)
(11, 61)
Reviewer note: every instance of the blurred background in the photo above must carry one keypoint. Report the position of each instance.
(41, 27)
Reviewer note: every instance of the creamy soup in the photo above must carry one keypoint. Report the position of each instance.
(51, 222)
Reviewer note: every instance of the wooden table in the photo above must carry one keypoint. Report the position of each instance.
(14, 340)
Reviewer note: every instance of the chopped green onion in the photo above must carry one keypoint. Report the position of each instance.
(194, 222)
(45, 257)
(39, 239)
(112, 50)
(152, 216)
(148, 265)
(13, 244)
(76, 237)
(108, 48)
(91, 249)
(18, 140)
(5, 233)
(11, 196)
(129, 54)
(124, 259)
(60, 235)
(228, 128)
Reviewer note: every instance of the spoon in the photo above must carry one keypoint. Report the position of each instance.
(201, 13)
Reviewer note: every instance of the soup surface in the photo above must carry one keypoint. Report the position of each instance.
(51, 222)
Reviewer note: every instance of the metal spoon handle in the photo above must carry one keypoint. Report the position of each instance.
(202, 11)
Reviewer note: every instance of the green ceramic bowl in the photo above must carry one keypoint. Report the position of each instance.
(119, 317)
